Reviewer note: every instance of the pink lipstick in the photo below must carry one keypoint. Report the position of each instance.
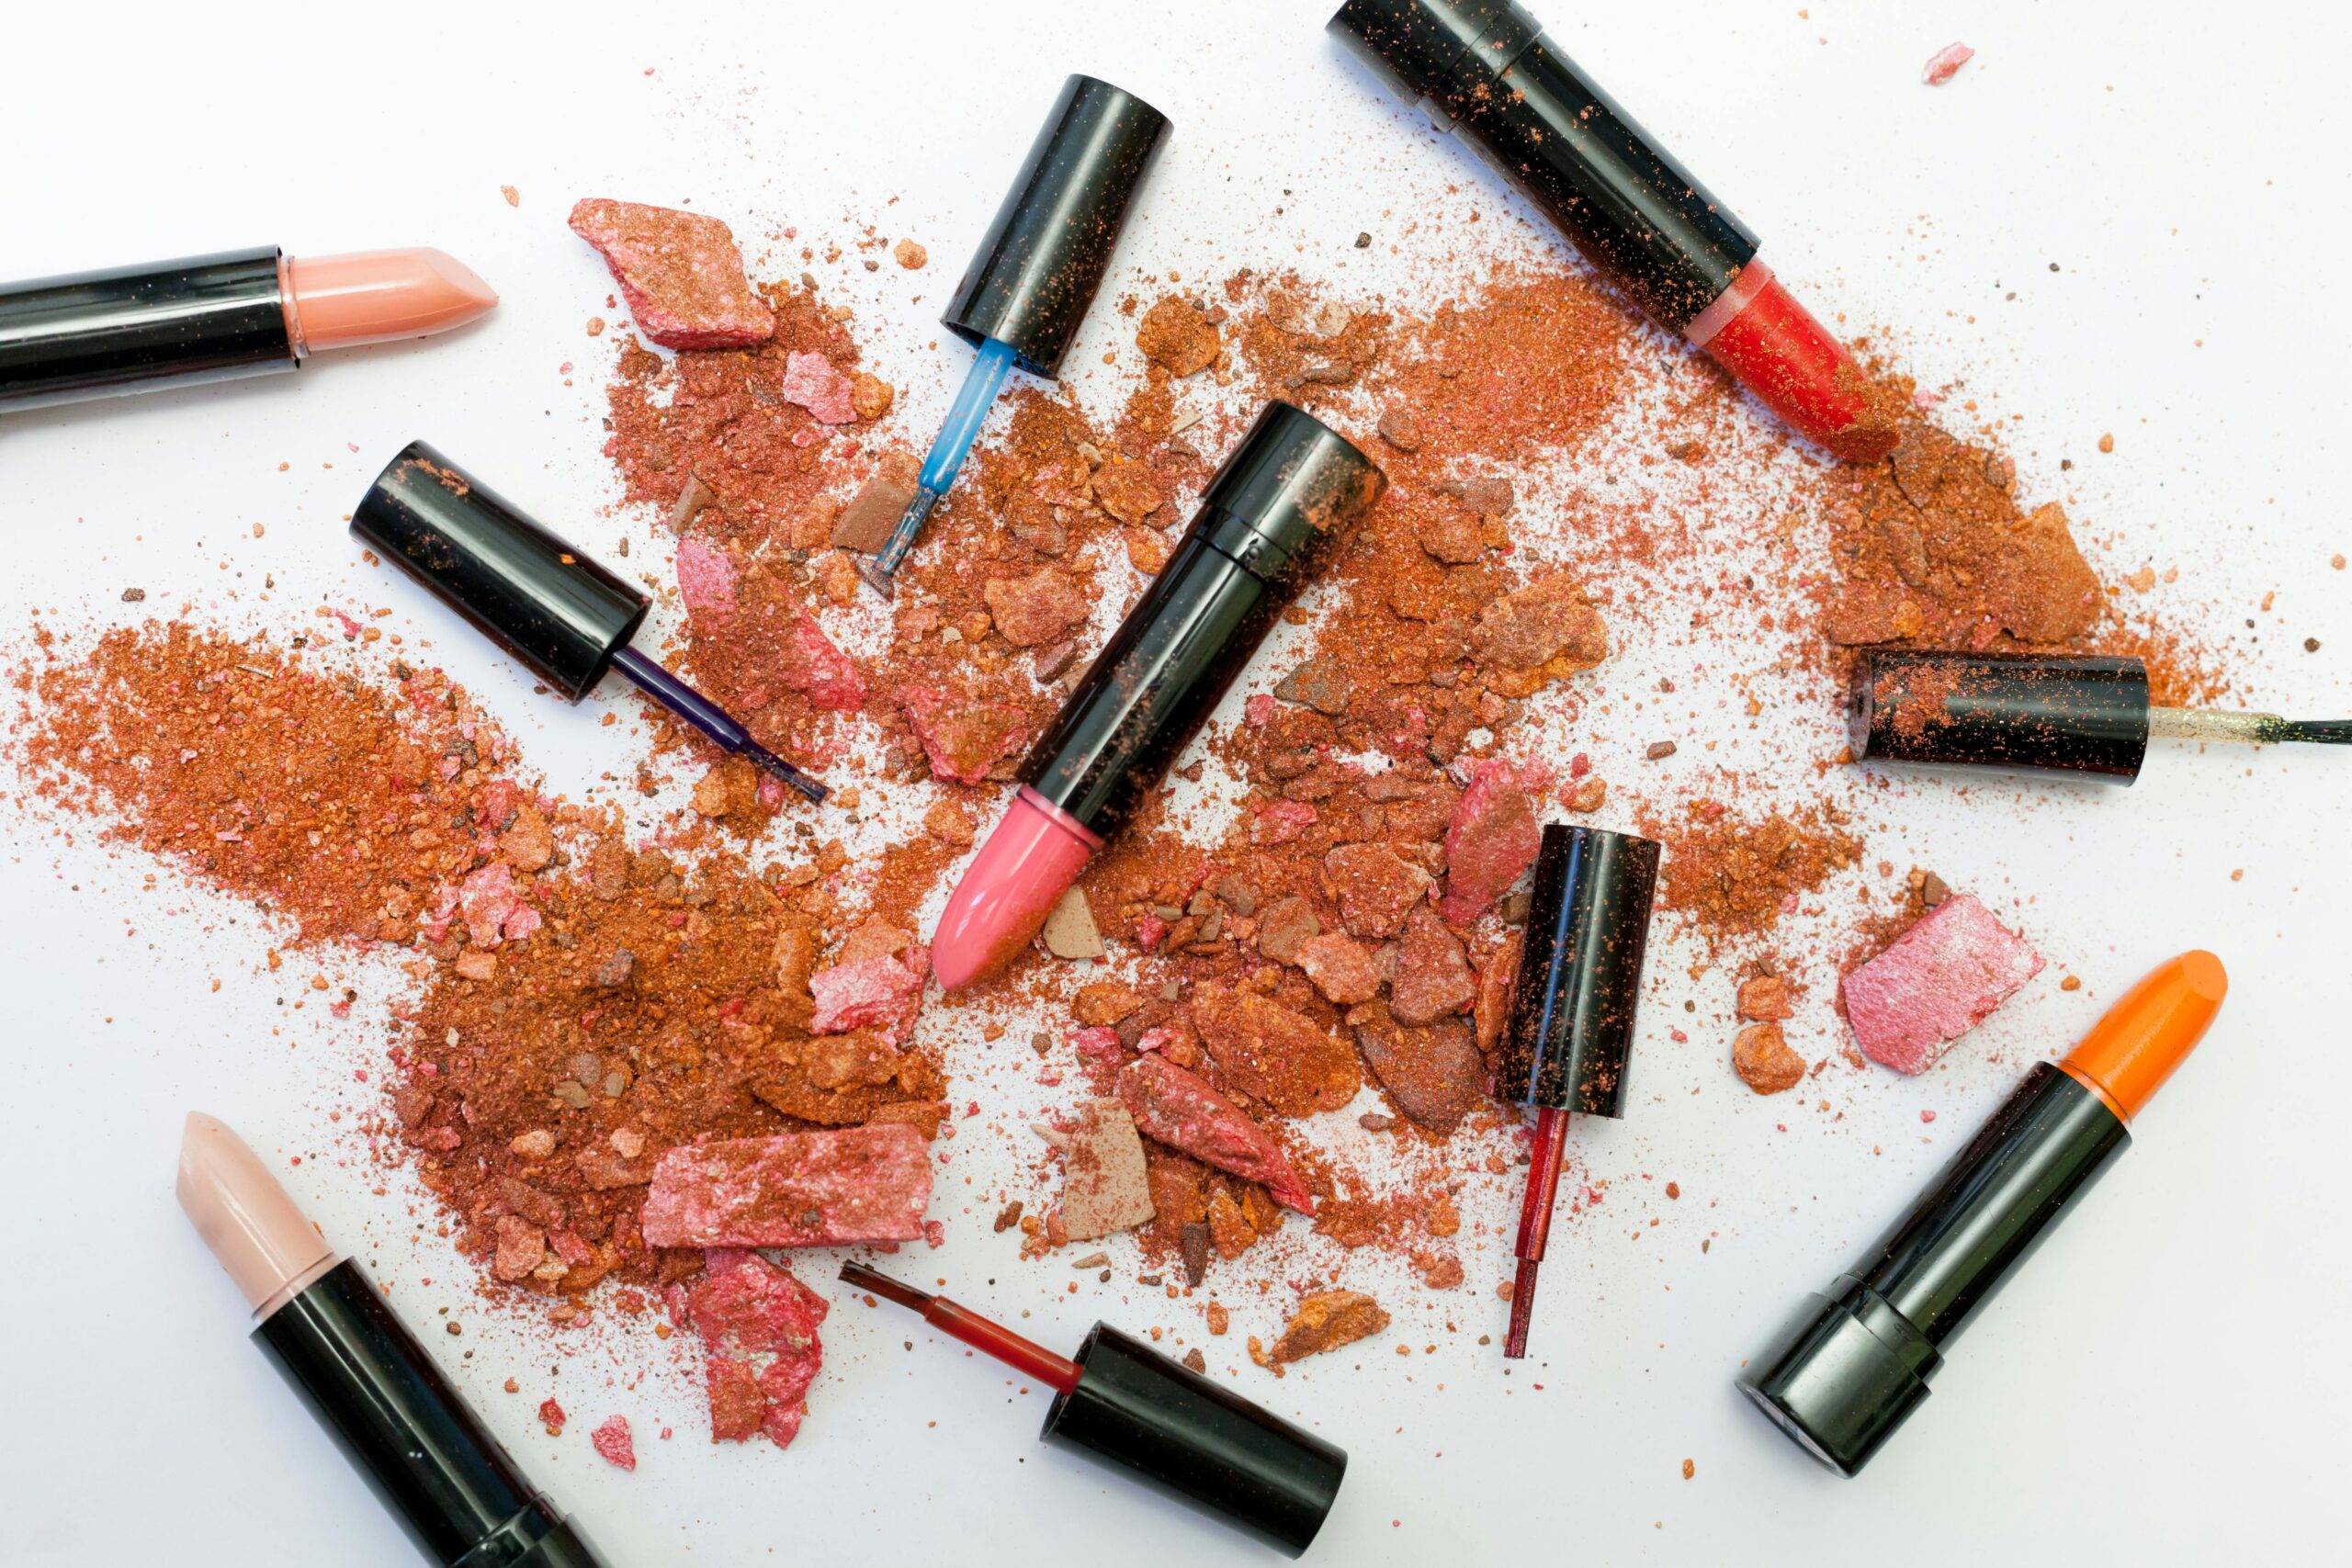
(178, 323)
(1290, 486)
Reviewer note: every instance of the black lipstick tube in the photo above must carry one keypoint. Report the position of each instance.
(174, 323)
(2046, 713)
(403, 1427)
(1290, 486)
(1858, 1359)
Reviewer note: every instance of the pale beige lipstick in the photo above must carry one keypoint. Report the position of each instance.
(211, 318)
(433, 1463)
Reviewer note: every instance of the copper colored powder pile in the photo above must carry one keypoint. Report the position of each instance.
(589, 1003)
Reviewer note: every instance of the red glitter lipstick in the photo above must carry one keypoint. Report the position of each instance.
(1485, 68)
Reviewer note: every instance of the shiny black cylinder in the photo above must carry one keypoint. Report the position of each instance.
(1038, 266)
(1136, 1411)
(1484, 68)
(174, 323)
(1857, 1361)
(557, 610)
(2052, 713)
(412, 1435)
(1570, 1034)
(1290, 486)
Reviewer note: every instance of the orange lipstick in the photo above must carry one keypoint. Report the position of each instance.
(1858, 1359)
(176, 324)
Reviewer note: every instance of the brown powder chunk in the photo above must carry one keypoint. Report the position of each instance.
(1285, 928)
(1542, 633)
(1375, 887)
(1326, 1320)
(1071, 932)
(1127, 490)
(1036, 609)
(1763, 1060)
(1176, 336)
(1342, 968)
(1433, 976)
(1435, 1075)
(1273, 1053)
(866, 523)
(909, 255)
(1105, 1002)
(1764, 999)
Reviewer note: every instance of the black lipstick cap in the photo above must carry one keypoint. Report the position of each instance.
(90, 335)
(1484, 68)
(1290, 486)
(1039, 264)
(1856, 1360)
(559, 612)
(1135, 1410)
(2055, 713)
(436, 1467)
(1579, 986)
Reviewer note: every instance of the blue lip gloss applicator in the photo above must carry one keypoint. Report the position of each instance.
(1027, 292)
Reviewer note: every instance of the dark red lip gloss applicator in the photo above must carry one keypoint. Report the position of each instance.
(567, 617)
(1571, 1028)
(1485, 68)
(1129, 1408)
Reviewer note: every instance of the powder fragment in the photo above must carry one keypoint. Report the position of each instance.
(1181, 1110)
(1341, 968)
(705, 579)
(792, 1189)
(679, 271)
(1375, 886)
(866, 523)
(1105, 1188)
(1273, 1053)
(1544, 632)
(1945, 63)
(1435, 1075)
(551, 1416)
(1935, 984)
(961, 737)
(1326, 1320)
(612, 1440)
(513, 197)
(1285, 929)
(1492, 840)
(1434, 978)
(1764, 999)
(759, 1328)
(1069, 930)
(867, 993)
(811, 380)
(1175, 336)
(909, 255)
(870, 397)
(1763, 1060)
(1039, 608)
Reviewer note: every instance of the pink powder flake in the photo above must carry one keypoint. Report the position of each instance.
(612, 1440)
(811, 380)
(492, 908)
(706, 578)
(1493, 837)
(759, 1325)
(856, 996)
(552, 1415)
(1935, 984)
(1945, 63)
(849, 1184)
(812, 666)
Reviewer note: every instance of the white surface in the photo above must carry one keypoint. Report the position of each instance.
(2162, 1385)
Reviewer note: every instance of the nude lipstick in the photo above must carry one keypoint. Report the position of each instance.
(1858, 1359)
(1290, 486)
(1134, 1411)
(433, 1464)
(1485, 68)
(176, 324)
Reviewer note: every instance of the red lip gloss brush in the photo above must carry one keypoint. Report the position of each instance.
(1129, 1408)
(1571, 1028)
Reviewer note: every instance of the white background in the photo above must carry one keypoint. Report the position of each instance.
(2166, 1384)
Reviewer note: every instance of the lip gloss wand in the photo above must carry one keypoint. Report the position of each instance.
(1571, 1027)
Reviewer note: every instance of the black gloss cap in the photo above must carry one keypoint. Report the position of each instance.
(1579, 986)
(562, 614)
(1422, 48)
(1038, 266)
(1843, 1375)
(2050, 712)
(1289, 485)
(1136, 1411)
